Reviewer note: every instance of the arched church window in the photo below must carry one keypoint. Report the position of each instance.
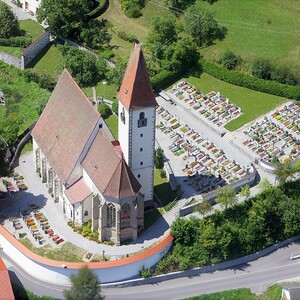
(125, 216)
(86, 213)
(111, 215)
(122, 116)
(142, 121)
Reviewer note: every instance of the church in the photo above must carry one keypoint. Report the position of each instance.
(92, 176)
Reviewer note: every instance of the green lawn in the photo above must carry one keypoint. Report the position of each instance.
(272, 293)
(33, 28)
(253, 103)
(108, 91)
(48, 61)
(256, 28)
(112, 123)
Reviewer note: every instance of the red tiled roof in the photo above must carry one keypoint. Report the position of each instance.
(65, 126)
(136, 91)
(6, 291)
(78, 191)
(108, 170)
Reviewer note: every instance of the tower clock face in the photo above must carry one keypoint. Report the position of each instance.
(142, 122)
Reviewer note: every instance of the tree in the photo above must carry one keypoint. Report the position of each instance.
(159, 158)
(204, 208)
(265, 185)
(104, 110)
(202, 26)
(245, 191)
(9, 23)
(64, 16)
(262, 68)
(180, 55)
(162, 34)
(178, 4)
(82, 65)
(230, 60)
(85, 286)
(226, 197)
(284, 171)
(132, 8)
(94, 34)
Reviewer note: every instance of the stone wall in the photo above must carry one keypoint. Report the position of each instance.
(35, 48)
(210, 197)
(11, 60)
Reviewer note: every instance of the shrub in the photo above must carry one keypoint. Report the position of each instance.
(45, 81)
(247, 81)
(145, 273)
(127, 37)
(132, 8)
(262, 68)
(115, 106)
(18, 41)
(229, 60)
(104, 110)
(163, 173)
(164, 78)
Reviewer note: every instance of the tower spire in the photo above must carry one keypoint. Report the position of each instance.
(136, 91)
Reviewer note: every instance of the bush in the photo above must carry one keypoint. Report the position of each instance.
(262, 68)
(115, 106)
(145, 273)
(19, 41)
(132, 8)
(247, 81)
(104, 110)
(229, 60)
(45, 81)
(127, 37)
(164, 78)
(163, 173)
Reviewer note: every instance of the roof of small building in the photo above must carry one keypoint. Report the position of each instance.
(136, 91)
(5, 285)
(65, 126)
(78, 191)
(108, 170)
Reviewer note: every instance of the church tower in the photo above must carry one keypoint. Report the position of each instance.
(137, 122)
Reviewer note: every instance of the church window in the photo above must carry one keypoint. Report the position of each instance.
(111, 215)
(141, 135)
(122, 116)
(141, 149)
(125, 216)
(141, 163)
(86, 213)
(139, 176)
(142, 121)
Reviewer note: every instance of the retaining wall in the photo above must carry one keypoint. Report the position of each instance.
(11, 60)
(58, 272)
(210, 197)
(35, 48)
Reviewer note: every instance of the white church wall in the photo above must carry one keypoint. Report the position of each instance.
(30, 5)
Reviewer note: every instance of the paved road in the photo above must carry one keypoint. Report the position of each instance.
(256, 275)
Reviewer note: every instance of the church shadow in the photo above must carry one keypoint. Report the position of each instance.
(20, 203)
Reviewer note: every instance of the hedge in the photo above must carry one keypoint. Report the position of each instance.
(99, 10)
(164, 79)
(247, 81)
(19, 41)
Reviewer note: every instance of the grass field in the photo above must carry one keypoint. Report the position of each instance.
(256, 28)
(33, 28)
(272, 293)
(48, 61)
(64, 252)
(253, 103)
